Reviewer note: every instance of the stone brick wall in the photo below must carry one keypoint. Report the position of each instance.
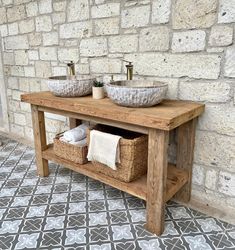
(186, 43)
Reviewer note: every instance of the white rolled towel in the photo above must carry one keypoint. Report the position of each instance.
(76, 134)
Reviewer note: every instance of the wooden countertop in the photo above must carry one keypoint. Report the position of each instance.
(166, 116)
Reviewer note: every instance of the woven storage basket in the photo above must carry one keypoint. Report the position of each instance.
(70, 152)
(133, 155)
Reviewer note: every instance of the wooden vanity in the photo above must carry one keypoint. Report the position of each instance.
(163, 180)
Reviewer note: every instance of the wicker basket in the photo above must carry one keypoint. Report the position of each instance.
(70, 152)
(133, 155)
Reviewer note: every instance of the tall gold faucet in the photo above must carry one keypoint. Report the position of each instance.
(71, 66)
(129, 72)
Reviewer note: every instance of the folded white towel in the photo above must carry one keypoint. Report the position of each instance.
(76, 134)
(80, 143)
(104, 148)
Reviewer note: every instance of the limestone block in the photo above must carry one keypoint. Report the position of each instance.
(43, 23)
(32, 9)
(105, 65)
(59, 6)
(17, 71)
(17, 130)
(45, 6)
(161, 10)
(21, 57)
(215, 50)
(226, 184)
(26, 26)
(50, 38)
(219, 118)
(154, 39)
(13, 106)
(198, 175)
(189, 14)
(12, 83)
(211, 179)
(57, 71)
(221, 36)
(29, 71)
(28, 118)
(13, 29)
(130, 31)
(83, 69)
(105, 10)
(43, 69)
(123, 43)
(16, 13)
(71, 43)
(16, 2)
(35, 39)
(24, 84)
(106, 26)
(176, 65)
(3, 30)
(34, 85)
(99, 1)
(84, 60)
(194, 40)
(205, 91)
(78, 10)
(8, 58)
(7, 2)
(25, 107)
(3, 16)
(55, 126)
(226, 11)
(93, 47)
(67, 54)
(16, 95)
(229, 67)
(172, 92)
(76, 30)
(214, 150)
(48, 53)
(58, 18)
(16, 42)
(135, 17)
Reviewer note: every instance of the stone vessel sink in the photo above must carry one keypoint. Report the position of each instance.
(136, 93)
(70, 86)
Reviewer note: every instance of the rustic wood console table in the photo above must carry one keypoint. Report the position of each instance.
(163, 180)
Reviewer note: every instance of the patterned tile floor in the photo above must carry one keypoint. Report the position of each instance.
(70, 211)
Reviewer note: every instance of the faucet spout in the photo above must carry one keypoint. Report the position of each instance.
(71, 67)
(129, 73)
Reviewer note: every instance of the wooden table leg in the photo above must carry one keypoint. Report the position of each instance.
(39, 140)
(185, 151)
(156, 181)
(74, 122)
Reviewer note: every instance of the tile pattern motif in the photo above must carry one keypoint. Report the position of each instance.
(70, 211)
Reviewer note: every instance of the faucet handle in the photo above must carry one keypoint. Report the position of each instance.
(130, 63)
(71, 63)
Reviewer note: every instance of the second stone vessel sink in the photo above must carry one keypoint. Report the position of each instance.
(136, 93)
(70, 86)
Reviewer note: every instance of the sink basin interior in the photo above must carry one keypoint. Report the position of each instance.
(138, 84)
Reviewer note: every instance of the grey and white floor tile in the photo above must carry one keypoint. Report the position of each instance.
(67, 211)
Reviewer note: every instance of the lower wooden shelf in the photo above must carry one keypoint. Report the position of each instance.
(176, 178)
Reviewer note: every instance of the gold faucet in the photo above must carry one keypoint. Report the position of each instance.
(129, 67)
(71, 66)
